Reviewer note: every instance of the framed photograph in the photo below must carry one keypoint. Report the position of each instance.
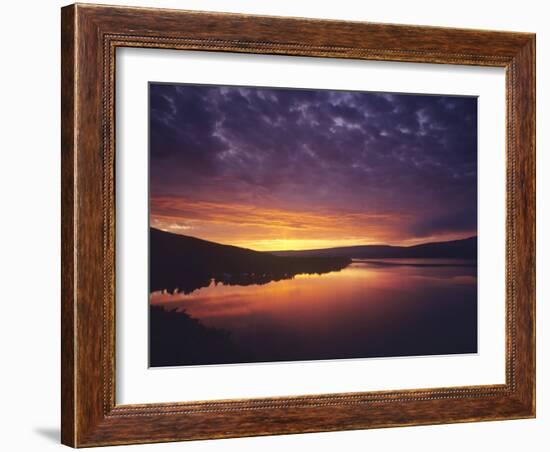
(280, 225)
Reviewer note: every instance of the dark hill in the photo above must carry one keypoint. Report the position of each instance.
(187, 263)
(455, 249)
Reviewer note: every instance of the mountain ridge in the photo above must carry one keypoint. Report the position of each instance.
(461, 249)
(180, 262)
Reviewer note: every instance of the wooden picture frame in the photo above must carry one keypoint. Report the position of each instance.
(90, 36)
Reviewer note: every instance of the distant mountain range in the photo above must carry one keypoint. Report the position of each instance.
(455, 249)
(188, 263)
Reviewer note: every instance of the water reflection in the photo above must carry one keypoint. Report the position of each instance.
(372, 308)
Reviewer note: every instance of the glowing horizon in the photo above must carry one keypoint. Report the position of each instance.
(270, 229)
(305, 245)
(277, 169)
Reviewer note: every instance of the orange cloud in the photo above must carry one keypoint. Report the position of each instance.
(268, 228)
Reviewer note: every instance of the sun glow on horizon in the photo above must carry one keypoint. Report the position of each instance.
(297, 244)
(279, 229)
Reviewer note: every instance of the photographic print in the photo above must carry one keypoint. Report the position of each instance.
(305, 224)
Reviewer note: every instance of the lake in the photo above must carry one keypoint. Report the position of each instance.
(371, 308)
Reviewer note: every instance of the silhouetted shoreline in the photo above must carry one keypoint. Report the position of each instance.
(176, 338)
(186, 263)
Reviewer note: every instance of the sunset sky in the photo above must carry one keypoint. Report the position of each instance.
(279, 169)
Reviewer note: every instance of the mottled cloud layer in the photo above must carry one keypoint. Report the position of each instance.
(271, 168)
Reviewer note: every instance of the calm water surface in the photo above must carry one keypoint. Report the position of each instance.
(372, 308)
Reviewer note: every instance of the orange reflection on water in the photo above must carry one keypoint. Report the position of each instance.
(362, 295)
